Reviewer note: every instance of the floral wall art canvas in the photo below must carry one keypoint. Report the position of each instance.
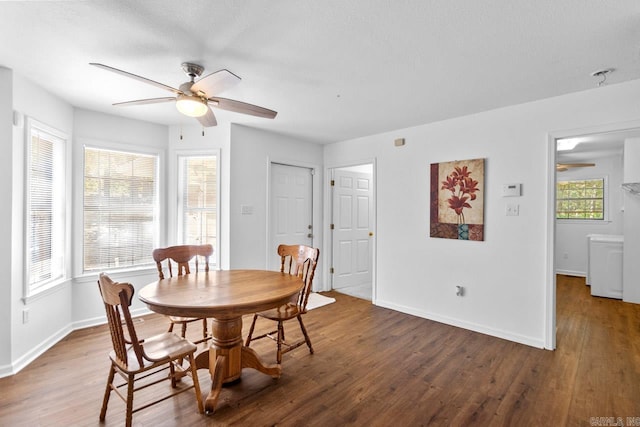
(457, 200)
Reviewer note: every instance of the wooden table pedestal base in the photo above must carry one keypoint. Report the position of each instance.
(226, 357)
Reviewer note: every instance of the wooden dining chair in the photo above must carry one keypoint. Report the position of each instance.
(296, 260)
(142, 360)
(180, 257)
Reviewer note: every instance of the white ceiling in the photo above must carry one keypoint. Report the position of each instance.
(595, 146)
(333, 69)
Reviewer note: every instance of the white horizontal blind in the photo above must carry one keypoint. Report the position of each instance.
(120, 209)
(198, 199)
(45, 205)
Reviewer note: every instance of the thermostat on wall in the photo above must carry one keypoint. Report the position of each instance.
(511, 190)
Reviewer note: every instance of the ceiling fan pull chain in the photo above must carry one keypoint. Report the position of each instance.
(203, 131)
(180, 132)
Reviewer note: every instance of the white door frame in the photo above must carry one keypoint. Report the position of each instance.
(328, 209)
(550, 289)
(316, 211)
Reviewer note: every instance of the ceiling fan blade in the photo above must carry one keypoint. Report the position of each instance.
(208, 120)
(215, 83)
(136, 77)
(145, 101)
(580, 165)
(565, 166)
(242, 107)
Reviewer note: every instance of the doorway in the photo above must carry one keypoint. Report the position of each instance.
(593, 153)
(291, 209)
(352, 230)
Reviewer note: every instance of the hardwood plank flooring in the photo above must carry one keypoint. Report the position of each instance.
(372, 367)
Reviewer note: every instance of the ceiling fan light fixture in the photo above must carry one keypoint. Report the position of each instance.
(191, 106)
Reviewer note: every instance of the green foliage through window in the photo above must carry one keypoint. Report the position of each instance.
(580, 199)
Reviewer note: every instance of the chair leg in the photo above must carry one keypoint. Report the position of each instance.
(170, 327)
(107, 392)
(184, 330)
(129, 416)
(172, 373)
(306, 335)
(205, 333)
(196, 382)
(253, 325)
(279, 342)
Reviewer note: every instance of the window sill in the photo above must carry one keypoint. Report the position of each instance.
(45, 291)
(117, 274)
(584, 221)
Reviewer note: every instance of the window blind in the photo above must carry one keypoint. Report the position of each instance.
(46, 198)
(120, 209)
(198, 199)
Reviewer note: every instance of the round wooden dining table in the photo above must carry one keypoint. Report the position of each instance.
(224, 296)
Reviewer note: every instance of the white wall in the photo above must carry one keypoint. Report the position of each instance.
(6, 226)
(251, 153)
(631, 256)
(571, 236)
(50, 313)
(506, 276)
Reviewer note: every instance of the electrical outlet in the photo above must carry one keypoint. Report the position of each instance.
(512, 209)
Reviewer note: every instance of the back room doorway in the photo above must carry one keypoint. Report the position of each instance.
(352, 230)
(291, 209)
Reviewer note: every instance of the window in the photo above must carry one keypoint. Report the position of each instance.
(120, 209)
(581, 199)
(198, 199)
(46, 197)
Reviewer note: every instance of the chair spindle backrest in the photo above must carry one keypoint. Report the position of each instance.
(181, 256)
(117, 298)
(301, 261)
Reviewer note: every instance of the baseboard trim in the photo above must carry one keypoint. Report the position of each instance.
(37, 351)
(101, 320)
(23, 361)
(572, 273)
(498, 333)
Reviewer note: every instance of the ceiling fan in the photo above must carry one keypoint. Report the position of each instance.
(195, 98)
(561, 167)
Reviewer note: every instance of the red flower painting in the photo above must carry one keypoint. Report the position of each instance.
(457, 206)
(462, 188)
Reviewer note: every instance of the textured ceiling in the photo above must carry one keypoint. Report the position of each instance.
(333, 69)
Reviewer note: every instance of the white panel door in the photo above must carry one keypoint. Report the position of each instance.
(352, 228)
(291, 209)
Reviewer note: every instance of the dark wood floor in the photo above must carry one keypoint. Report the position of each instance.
(373, 367)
